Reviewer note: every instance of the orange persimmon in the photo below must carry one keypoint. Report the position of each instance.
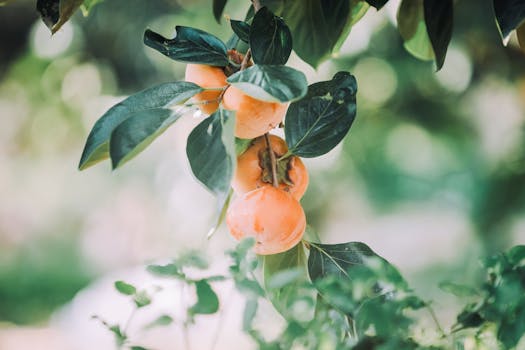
(207, 77)
(253, 117)
(273, 217)
(253, 168)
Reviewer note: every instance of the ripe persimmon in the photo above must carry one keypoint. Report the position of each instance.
(254, 168)
(253, 117)
(207, 77)
(273, 217)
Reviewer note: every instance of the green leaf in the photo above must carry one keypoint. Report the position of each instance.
(377, 3)
(242, 29)
(160, 96)
(336, 259)
(55, 13)
(283, 275)
(270, 38)
(141, 299)
(211, 152)
(250, 310)
(509, 15)
(163, 320)
(318, 122)
(520, 32)
(189, 45)
(270, 83)
(125, 288)
(222, 210)
(87, 5)
(316, 26)
(218, 9)
(413, 30)
(136, 347)
(168, 270)
(438, 19)
(458, 290)
(137, 132)
(358, 9)
(207, 300)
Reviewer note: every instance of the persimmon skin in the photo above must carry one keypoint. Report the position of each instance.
(248, 175)
(206, 77)
(273, 217)
(253, 117)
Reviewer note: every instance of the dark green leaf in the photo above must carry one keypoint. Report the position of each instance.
(438, 19)
(189, 45)
(316, 26)
(413, 30)
(270, 38)
(458, 290)
(509, 15)
(377, 3)
(271, 83)
(318, 122)
(336, 259)
(207, 300)
(55, 13)
(211, 152)
(125, 288)
(137, 132)
(242, 29)
(516, 255)
(160, 96)
(218, 9)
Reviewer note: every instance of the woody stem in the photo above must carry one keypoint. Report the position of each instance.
(273, 161)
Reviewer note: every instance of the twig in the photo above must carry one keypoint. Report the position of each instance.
(246, 60)
(273, 161)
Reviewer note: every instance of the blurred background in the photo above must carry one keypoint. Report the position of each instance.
(431, 175)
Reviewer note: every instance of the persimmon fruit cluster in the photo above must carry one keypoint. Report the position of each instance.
(253, 117)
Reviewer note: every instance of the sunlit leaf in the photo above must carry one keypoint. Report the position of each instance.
(270, 38)
(413, 30)
(270, 83)
(189, 45)
(318, 122)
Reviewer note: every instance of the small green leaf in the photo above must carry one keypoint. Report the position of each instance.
(270, 38)
(160, 96)
(137, 132)
(241, 145)
(211, 151)
(242, 29)
(438, 19)
(413, 30)
(509, 15)
(125, 288)
(271, 83)
(141, 299)
(250, 310)
(318, 122)
(162, 320)
(458, 290)
(207, 300)
(55, 13)
(168, 270)
(218, 9)
(87, 5)
(189, 45)
(136, 347)
(377, 3)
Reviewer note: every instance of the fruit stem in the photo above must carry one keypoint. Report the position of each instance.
(273, 161)
(246, 59)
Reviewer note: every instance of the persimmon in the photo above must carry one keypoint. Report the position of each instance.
(270, 215)
(254, 168)
(207, 77)
(253, 117)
